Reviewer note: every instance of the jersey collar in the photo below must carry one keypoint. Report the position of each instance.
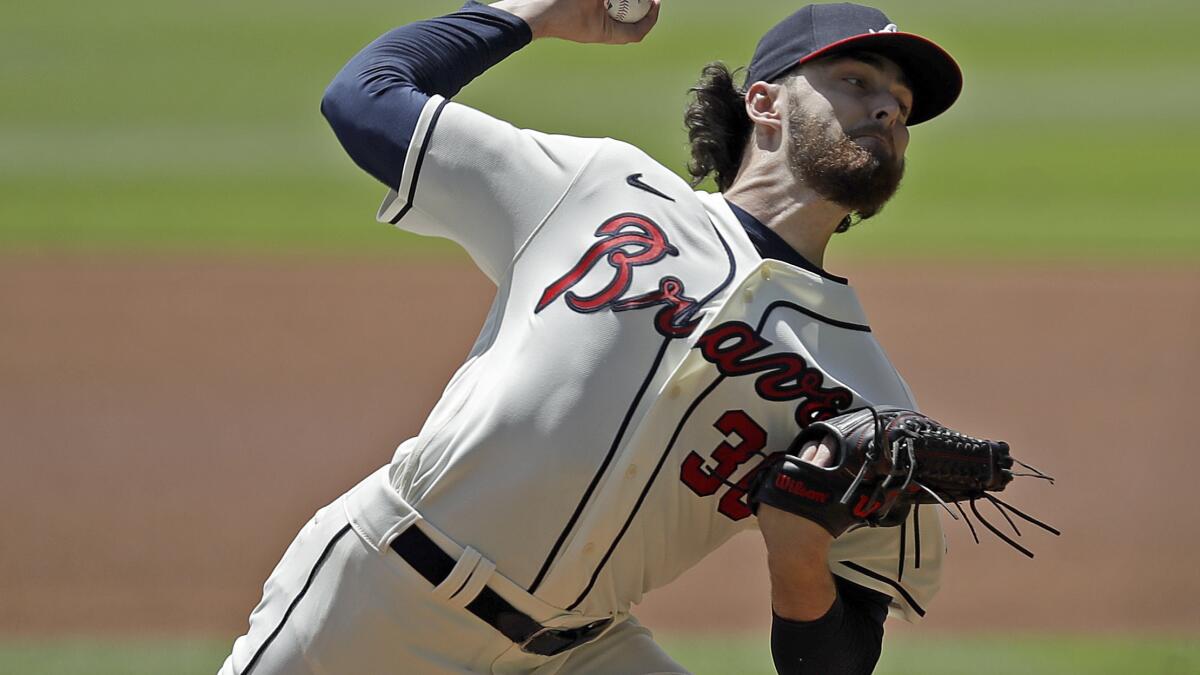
(770, 245)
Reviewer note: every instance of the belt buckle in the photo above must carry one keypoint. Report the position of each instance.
(554, 641)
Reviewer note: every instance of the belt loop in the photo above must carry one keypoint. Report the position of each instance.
(464, 583)
(459, 576)
(478, 577)
(382, 546)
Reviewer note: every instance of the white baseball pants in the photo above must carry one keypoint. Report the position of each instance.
(342, 602)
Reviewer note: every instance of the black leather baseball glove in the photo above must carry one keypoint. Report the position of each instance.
(885, 460)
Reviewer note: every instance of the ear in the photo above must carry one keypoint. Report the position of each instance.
(763, 106)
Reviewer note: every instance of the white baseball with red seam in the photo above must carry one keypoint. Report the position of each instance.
(628, 11)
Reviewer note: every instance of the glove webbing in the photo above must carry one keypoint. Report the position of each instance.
(909, 454)
(906, 469)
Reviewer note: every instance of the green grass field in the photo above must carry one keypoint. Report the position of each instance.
(194, 126)
(140, 125)
(944, 656)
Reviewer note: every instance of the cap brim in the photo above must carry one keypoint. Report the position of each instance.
(935, 76)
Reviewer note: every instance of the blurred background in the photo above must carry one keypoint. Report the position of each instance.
(204, 335)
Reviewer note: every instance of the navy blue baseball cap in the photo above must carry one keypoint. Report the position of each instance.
(825, 30)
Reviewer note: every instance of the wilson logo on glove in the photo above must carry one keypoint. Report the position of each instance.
(795, 487)
(887, 460)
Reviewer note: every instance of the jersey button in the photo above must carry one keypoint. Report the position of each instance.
(589, 548)
(631, 471)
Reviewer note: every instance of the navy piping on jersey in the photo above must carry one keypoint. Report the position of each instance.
(809, 313)
(646, 490)
(312, 574)
(375, 102)
(724, 284)
(412, 188)
(374, 105)
(890, 582)
(769, 244)
(612, 451)
(679, 428)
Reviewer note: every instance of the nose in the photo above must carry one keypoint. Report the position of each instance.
(887, 110)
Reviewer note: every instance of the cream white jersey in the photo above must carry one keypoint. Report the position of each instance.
(639, 360)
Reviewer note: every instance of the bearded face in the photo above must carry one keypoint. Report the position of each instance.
(839, 169)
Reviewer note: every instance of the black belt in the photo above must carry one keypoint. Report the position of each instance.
(431, 562)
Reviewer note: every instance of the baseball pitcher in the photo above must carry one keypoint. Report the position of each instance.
(660, 369)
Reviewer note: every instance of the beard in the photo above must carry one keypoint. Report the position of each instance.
(841, 170)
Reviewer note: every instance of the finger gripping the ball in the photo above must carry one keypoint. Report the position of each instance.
(628, 11)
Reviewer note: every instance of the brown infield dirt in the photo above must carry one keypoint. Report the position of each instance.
(167, 424)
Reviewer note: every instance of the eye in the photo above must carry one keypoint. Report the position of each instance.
(856, 81)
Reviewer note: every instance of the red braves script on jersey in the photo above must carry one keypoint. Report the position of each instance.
(628, 241)
(785, 376)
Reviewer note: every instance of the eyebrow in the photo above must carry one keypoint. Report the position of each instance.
(874, 60)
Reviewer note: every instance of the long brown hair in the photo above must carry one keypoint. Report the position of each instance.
(719, 129)
(718, 126)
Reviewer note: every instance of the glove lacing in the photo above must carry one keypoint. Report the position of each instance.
(957, 447)
(903, 461)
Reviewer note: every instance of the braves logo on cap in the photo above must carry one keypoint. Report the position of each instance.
(841, 29)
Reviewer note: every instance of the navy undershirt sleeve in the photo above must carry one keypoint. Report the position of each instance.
(375, 102)
(846, 641)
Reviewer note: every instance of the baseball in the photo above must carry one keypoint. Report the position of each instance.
(628, 11)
